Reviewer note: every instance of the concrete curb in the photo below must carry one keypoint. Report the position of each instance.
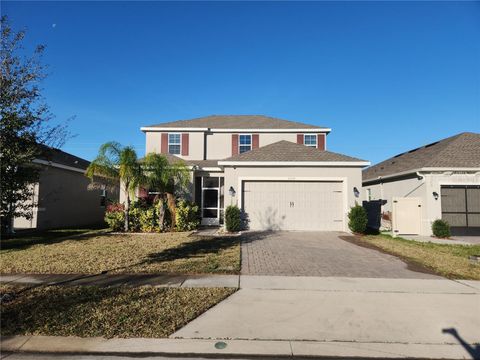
(157, 280)
(236, 348)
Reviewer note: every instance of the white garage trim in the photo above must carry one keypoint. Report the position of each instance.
(343, 180)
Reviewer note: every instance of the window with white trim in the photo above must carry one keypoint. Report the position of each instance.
(244, 143)
(310, 140)
(174, 144)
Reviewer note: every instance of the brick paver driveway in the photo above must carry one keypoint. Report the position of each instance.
(318, 254)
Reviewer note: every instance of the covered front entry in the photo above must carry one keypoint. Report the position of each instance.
(294, 205)
(210, 197)
(461, 208)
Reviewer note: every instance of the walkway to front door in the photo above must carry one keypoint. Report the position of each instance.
(318, 254)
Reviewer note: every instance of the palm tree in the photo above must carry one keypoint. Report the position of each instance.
(164, 177)
(114, 163)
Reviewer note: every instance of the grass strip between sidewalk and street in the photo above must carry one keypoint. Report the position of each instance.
(175, 252)
(451, 261)
(89, 311)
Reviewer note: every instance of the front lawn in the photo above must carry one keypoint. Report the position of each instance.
(126, 253)
(451, 261)
(31, 237)
(89, 311)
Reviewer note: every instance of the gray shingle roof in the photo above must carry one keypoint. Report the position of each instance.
(61, 157)
(459, 151)
(288, 151)
(204, 163)
(236, 122)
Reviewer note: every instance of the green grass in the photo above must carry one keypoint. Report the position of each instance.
(125, 253)
(89, 311)
(451, 261)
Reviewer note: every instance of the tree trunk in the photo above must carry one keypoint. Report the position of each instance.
(127, 209)
(161, 214)
(172, 208)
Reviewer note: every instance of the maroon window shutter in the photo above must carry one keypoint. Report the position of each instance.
(234, 144)
(300, 139)
(185, 144)
(255, 141)
(164, 143)
(321, 141)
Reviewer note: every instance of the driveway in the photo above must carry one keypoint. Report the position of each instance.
(319, 254)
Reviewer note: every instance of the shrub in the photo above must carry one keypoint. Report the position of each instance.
(134, 214)
(114, 217)
(187, 216)
(149, 220)
(233, 219)
(441, 229)
(357, 219)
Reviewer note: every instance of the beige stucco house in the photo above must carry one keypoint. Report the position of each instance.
(443, 177)
(278, 172)
(62, 197)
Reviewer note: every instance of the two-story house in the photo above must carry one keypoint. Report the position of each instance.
(278, 172)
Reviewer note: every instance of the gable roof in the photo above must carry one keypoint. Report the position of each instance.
(236, 122)
(286, 151)
(459, 151)
(58, 156)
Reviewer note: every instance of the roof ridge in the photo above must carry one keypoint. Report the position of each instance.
(242, 121)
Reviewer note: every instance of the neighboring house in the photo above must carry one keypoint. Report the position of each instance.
(62, 197)
(278, 172)
(444, 176)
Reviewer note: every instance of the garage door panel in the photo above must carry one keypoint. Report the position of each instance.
(473, 196)
(288, 205)
(461, 208)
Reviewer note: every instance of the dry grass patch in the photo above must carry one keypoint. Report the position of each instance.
(126, 253)
(451, 261)
(89, 311)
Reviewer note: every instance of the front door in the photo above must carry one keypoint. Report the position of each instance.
(212, 196)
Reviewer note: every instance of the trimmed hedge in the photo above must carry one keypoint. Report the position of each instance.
(233, 219)
(357, 219)
(441, 229)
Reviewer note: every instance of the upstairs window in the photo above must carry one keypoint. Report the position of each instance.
(245, 143)
(174, 144)
(310, 140)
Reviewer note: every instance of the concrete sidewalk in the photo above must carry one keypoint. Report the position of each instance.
(455, 240)
(165, 280)
(330, 310)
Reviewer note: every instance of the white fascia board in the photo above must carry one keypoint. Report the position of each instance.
(431, 169)
(56, 165)
(295, 163)
(273, 130)
(420, 170)
(211, 168)
(172, 129)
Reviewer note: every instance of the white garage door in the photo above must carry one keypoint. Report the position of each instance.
(293, 205)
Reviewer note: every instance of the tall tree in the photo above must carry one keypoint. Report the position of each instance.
(117, 163)
(24, 124)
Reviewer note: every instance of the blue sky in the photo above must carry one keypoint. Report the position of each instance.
(385, 76)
